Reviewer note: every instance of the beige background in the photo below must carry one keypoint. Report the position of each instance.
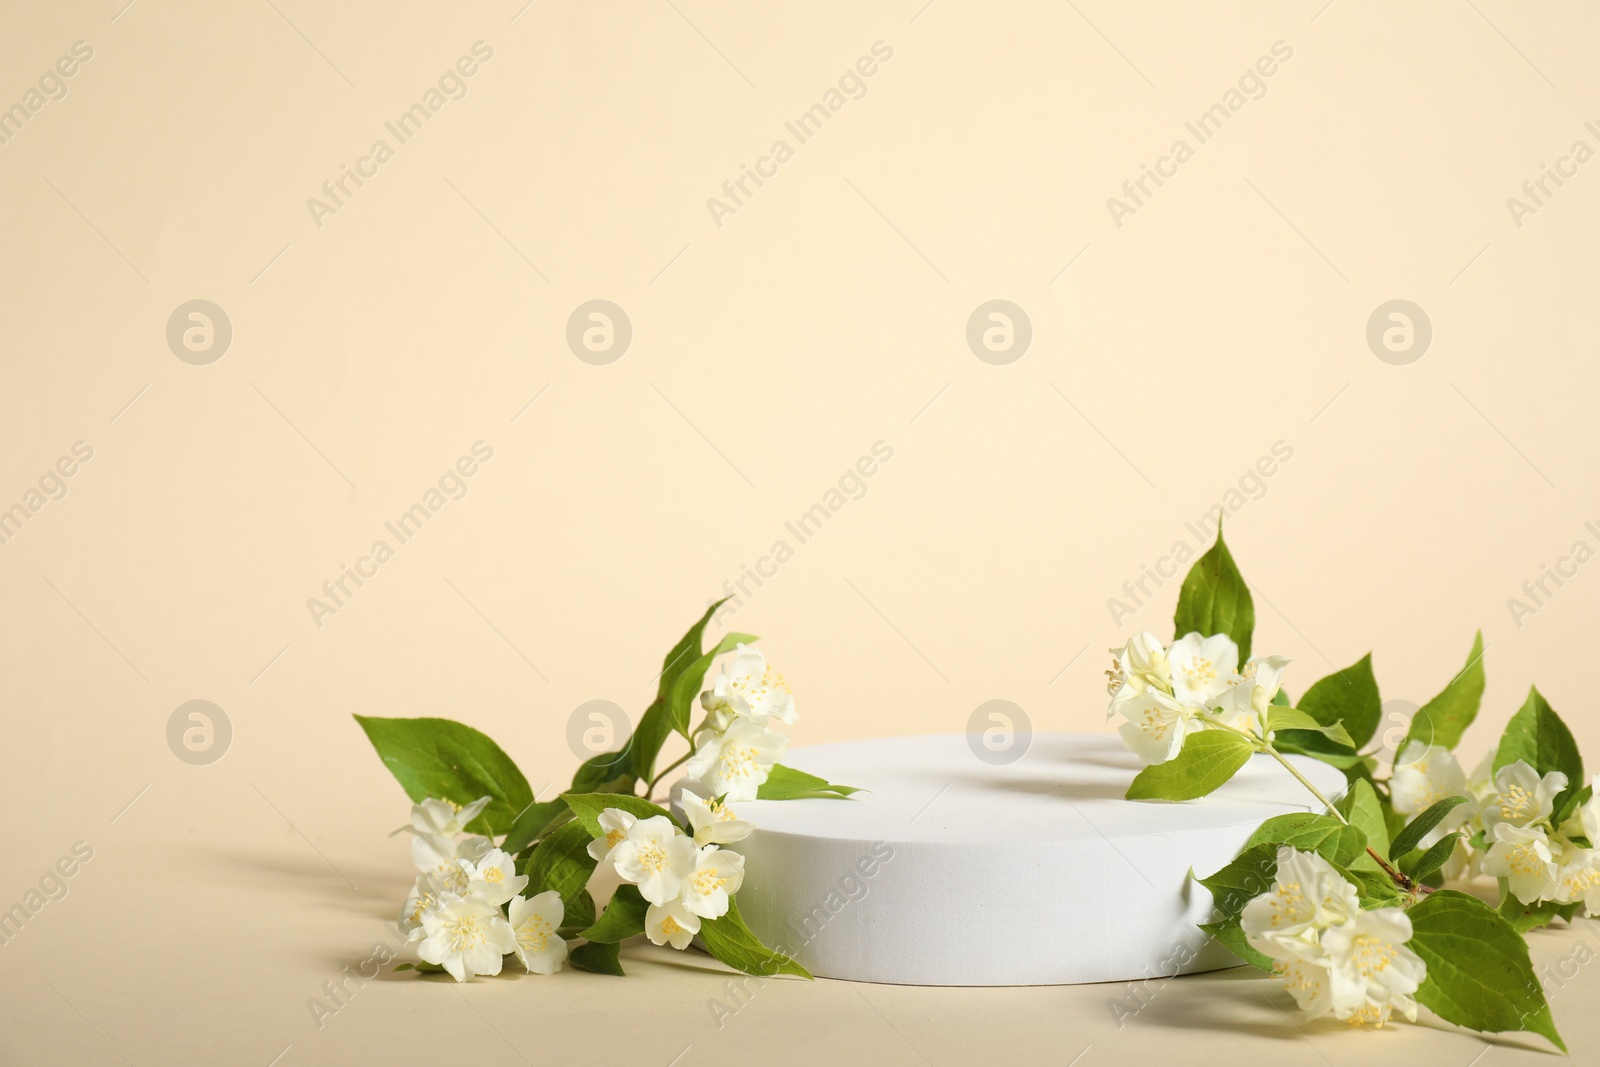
(826, 314)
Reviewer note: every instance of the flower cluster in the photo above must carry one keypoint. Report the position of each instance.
(1166, 694)
(1511, 816)
(1334, 957)
(683, 877)
(1361, 922)
(524, 888)
(465, 911)
(736, 748)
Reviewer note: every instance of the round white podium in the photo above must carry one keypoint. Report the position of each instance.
(952, 871)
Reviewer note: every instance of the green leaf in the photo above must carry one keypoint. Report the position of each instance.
(1348, 697)
(588, 806)
(1418, 828)
(1208, 759)
(1365, 812)
(1537, 736)
(1322, 834)
(1281, 698)
(1573, 801)
(786, 783)
(1285, 717)
(421, 967)
(657, 722)
(686, 687)
(731, 941)
(1377, 888)
(1295, 719)
(648, 737)
(1525, 917)
(1442, 720)
(682, 674)
(1479, 974)
(441, 758)
(532, 822)
(1215, 600)
(623, 917)
(608, 772)
(1230, 935)
(578, 916)
(1248, 876)
(600, 957)
(1433, 859)
(1362, 771)
(561, 862)
(1316, 745)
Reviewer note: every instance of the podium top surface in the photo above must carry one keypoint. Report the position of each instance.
(1064, 787)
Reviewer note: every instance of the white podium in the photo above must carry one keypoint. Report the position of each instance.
(952, 871)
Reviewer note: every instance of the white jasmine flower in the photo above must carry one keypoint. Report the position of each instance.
(1161, 712)
(466, 936)
(534, 922)
(1521, 855)
(1589, 814)
(737, 761)
(749, 690)
(1372, 970)
(1521, 796)
(712, 820)
(1266, 672)
(1580, 882)
(1139, 665)
(1333, 958)
(1425, 774)
(1200, 668)
(717, 874)
(443, 818)
(1248, 697)
(425, 893)
(616, 823)
(1307, 896)
(657, 857)
(1309, 981)
(494, 877)
(440, 856)
(1466, 862)
(671, 924)
(1156, 726)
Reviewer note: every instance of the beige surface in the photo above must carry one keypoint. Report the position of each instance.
(827, 313)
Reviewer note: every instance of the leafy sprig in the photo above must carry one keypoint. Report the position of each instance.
(440, 758)
(1479, 974)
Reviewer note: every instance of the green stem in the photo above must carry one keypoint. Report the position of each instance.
(679, 762)
(1266, 746)
(1399, 879)
(1263, 745)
